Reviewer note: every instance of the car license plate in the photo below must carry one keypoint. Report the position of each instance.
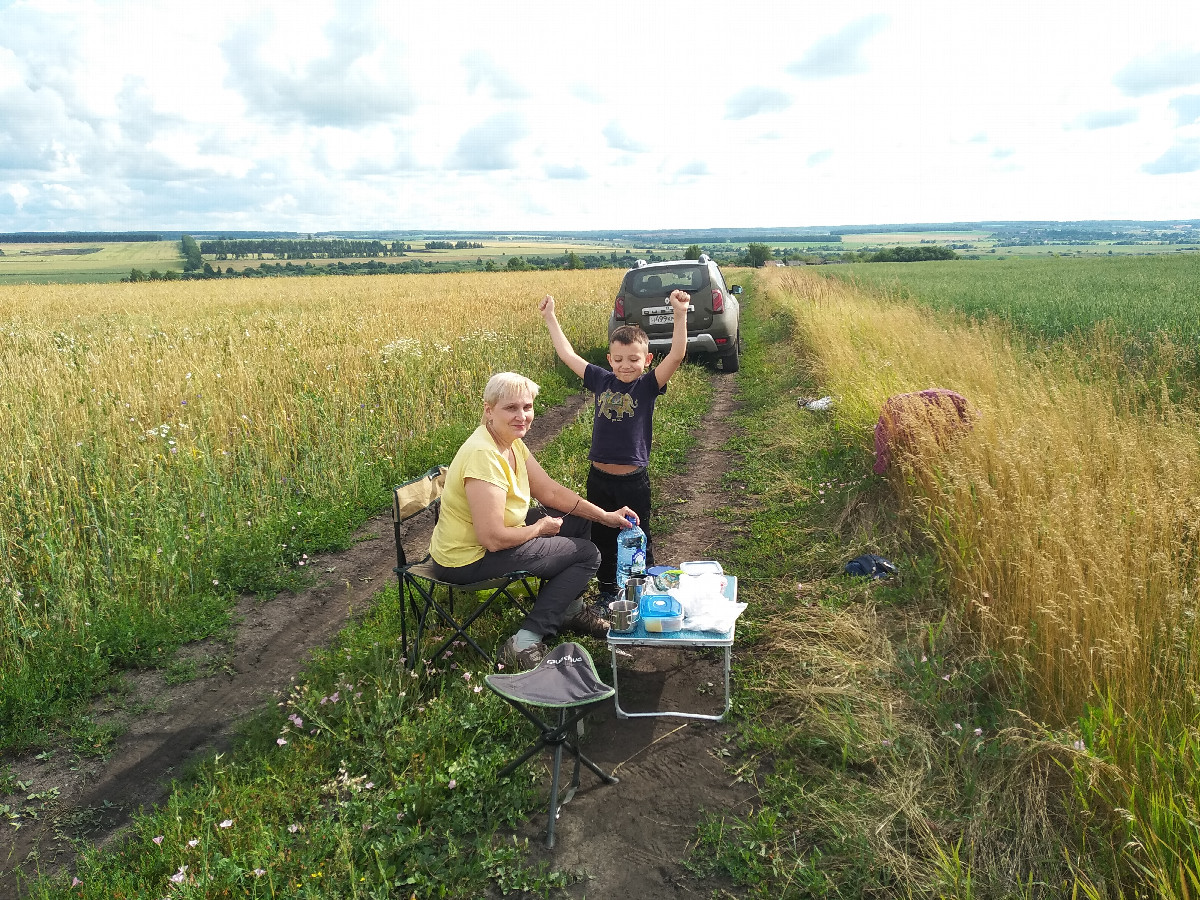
(662, 320)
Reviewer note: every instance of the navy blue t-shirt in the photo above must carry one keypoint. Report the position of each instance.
(623, 424)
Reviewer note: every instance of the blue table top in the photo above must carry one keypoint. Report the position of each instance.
(685, 638)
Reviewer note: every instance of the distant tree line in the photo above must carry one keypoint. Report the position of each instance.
(923, 253)
(753, 254)
(457, 245)
(192, 259)
(281, 248)
(76, 237)
(1034, 236)
(569, 260)
(154, 275)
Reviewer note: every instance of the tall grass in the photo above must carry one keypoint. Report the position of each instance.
(167, 444)
(1069, 517)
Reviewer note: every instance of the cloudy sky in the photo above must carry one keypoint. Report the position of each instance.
(536, 115)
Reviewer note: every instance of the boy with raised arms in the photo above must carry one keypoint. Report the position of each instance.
(622, 424)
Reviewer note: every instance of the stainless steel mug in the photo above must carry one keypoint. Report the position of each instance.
(623, 614)
(635, 586)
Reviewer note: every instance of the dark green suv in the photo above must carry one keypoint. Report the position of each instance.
(712, 321)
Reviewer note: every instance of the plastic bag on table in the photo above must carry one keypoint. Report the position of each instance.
(705, 606)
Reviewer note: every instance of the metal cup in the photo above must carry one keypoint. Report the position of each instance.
(635, 586)
(623, 615)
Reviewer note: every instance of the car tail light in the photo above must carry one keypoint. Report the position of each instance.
(721, 340)
(619, 307)
(718, 301)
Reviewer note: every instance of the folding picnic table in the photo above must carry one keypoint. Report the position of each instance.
(683, 640)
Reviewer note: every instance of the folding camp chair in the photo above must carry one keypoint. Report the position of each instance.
(565, 680)
(424, 594)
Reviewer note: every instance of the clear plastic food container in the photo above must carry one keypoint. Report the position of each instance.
(701, 567)
(661, 612)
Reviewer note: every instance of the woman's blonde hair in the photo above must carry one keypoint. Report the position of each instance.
(506, 385)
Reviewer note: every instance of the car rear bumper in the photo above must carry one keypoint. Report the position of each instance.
(697, 343)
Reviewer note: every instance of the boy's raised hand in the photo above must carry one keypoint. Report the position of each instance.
(680, 302)
(562, 346)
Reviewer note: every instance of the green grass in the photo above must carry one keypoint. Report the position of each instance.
(41, 264)
(386, 787)
(1137, 296)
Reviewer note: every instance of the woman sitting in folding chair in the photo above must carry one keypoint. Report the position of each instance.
(486, 527)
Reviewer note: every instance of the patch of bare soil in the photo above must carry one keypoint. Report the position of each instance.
(88, 800)
(623, 840)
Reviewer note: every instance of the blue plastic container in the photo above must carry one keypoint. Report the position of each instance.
(661, 612)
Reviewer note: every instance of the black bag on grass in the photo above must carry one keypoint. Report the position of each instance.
(870, 566)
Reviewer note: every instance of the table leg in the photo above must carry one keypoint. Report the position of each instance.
(622, 714)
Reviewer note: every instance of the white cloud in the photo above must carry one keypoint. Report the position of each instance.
(482, 71)
(489, 146)
(572, 173)
(752, 101)
(1108, 118)
(1150, 74)
(617, 138)
(1187, 108)
(1182, 158)
(841, 53)
(352, 82)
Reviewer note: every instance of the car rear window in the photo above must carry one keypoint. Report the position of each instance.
(657, 282)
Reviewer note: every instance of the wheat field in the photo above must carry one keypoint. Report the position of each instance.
(1068, 517)
(168, 443)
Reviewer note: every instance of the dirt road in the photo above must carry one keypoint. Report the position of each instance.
(627, 840)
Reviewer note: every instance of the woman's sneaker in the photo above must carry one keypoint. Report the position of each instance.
(521, 660)
(586, 623)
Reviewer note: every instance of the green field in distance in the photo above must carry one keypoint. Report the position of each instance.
(85, 263)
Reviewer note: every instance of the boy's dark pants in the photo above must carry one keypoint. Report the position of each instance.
(611, 492)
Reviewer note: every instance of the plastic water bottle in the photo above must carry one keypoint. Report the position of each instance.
(631, 554)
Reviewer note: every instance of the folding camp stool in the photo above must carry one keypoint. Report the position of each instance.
(566, 681)
(427, 595)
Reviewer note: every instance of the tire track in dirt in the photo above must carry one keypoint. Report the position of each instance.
(629, 839)
(165, 726)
